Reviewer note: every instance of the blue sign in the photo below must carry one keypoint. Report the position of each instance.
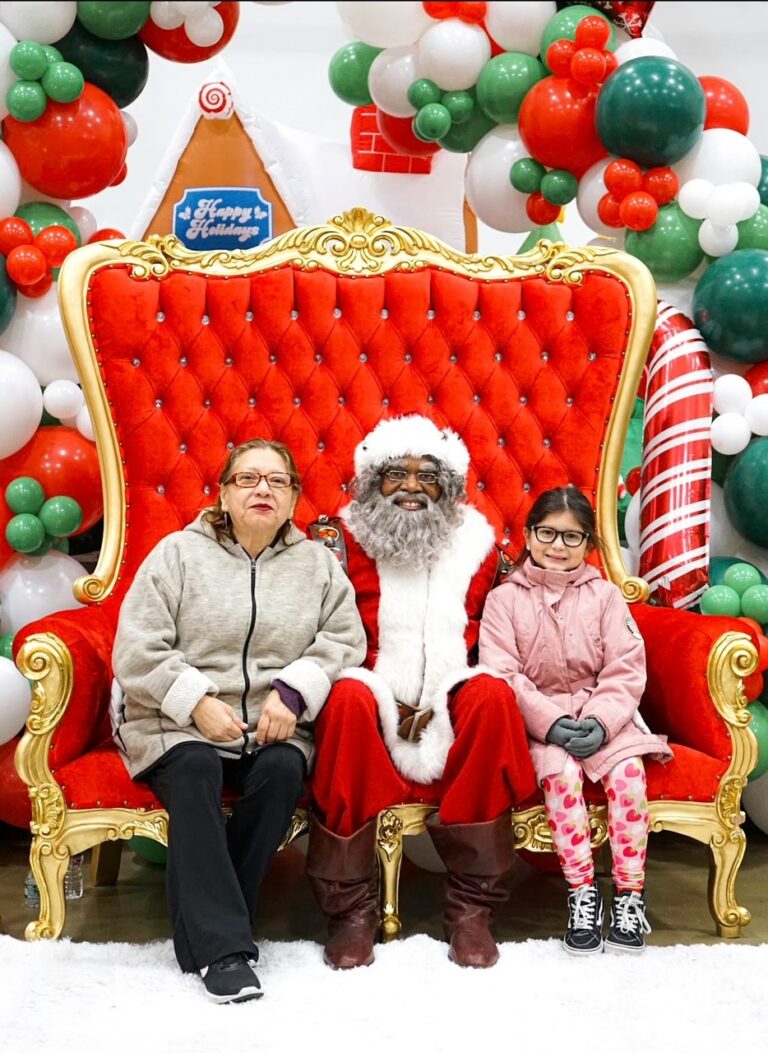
(222, 217)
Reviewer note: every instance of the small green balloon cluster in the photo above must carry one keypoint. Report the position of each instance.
(39, 525)
(43, 74)
(741, 593)
(556, 186)
(438, 111)
(6, 646)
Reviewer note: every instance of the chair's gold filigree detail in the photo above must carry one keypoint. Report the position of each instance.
(531, 831)
(728, 802)
(389, 833)
(299, 825)
(635, 590)
(48, 809)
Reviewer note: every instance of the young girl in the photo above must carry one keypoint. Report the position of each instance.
(566, 643)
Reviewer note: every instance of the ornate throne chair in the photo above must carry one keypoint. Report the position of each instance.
(311, 339)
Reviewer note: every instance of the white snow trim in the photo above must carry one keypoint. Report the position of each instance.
(184, 694)
(411, 436)
(306, 677)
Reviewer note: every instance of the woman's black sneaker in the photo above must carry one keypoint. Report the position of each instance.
(628, 923)
(232, 979)
(584, 934)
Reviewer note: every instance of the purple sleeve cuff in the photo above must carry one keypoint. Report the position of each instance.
(290, 697)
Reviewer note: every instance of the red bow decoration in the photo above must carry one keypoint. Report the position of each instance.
(466, 12)
(630, 17)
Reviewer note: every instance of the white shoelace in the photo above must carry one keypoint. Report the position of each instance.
(583, 906)
(629, 912)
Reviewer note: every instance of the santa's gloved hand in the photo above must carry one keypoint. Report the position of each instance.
(563, 730)
(587, 740)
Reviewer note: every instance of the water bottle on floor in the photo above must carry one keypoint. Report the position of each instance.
(31, 892)
(73, 879)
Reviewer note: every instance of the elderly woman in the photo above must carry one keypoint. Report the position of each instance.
(229, 640)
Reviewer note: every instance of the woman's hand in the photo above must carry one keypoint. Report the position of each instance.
(217, 721)
(276, 723)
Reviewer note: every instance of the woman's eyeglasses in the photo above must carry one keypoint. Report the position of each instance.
(275, 480)
(399, 475)
(571, 538)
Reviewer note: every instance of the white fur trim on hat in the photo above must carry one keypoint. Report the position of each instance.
(413, 436)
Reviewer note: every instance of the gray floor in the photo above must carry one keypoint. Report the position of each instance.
(134, 911)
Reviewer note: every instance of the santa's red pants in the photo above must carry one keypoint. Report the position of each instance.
(488, 769)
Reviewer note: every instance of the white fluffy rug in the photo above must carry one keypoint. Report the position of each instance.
(85, 998)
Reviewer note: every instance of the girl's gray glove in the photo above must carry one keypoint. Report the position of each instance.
(587, 740)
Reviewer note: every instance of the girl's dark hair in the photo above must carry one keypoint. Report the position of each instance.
(562, 499)
(215, 515)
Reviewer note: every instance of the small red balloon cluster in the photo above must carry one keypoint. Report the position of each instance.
(634, 196)
(30, 258)
(586, 58)
(473, 13)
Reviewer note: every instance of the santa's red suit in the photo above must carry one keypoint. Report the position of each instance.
(422, 627)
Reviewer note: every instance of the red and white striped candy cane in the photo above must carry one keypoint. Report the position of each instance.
(676, 472)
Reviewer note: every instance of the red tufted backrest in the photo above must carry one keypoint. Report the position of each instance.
(193, 359)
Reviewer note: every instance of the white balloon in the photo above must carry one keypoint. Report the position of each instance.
(29, 193)
(189, 8)
(731, 394)
(42, 22)
(36, 336)
(381, 25)
(694, 196)
(391, 74)
(205, 31)
(641, 47)
(651, 31)
(10, 182)
(718, 241)
(632, 524)
(63, 398)
(165, 15)
(488, 190)
(518, 26)
(631, 561)
(33, 586)
(591, 189)
(723, 536)
(7, 76)
(84, 424)
(756, 415)
(731, 203)
(730, 434)
(85, 220)
(131, 128)
(754, 801)
(721, 156)
(453, 53)
(15, 697)
(21, 404)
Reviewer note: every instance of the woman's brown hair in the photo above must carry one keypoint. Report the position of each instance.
(562, 499)
(215, 516)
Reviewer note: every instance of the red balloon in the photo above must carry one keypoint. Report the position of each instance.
(623, 177)
(34, 292)
(638, 211)
(559, 55)
(557, 125)
(466, 12)
(56, 243)
(398, 132)
(174, 44)
(592, 32)
(26, 265)
(588, 66)
(540, 211)
(14, 231)
(726, 106)
(65, 464)
(74, 150)
(757, 378)
(120, 177)
(608, 210)
(632, 482)
(662, 184)
(106, 234)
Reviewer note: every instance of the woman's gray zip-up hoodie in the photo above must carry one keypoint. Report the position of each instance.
(202, 617)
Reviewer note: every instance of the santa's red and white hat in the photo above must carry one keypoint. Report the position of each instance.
(412, 436)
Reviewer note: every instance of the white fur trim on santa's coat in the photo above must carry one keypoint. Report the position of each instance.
(422, 653)
(411, 436)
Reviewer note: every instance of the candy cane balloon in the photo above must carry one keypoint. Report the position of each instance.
(677, 462)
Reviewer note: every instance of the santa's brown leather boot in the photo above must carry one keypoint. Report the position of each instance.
(344, 875)
(477, 857)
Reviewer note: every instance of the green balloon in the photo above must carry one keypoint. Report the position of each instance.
(149, 849)
(559, 187)
(526, 175)
(730, 305)
(651, 110)
(6, 646)
(762, 186)
(740, 577)
(348, 72)
(744, 492)
(718, 565)
(26, 100)
(7, 297)
(562, 26)
(670, 248)
(52, 54)
(551, 231)
(754, 603)
(463, 138)
(63, 82)
(45, 546)
(42, 214)
(460, 105)
(759, 728)
(113, 20)
(422, 92)
(24, 494)
(721, 463)
(24, 532)
(61, 544)
(119, 67)
(432, 122)
(28, 60)
(753, 233)
(720, 599)
(61, 516)
(504, 82)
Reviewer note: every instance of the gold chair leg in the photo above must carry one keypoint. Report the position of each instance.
(389, 844)
(728, 849)
(49, 864)
(105, 862)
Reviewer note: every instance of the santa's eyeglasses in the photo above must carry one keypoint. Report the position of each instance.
(399, 475)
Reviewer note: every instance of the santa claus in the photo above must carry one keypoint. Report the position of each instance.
(422, 722)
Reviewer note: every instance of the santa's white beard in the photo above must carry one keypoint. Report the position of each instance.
(404, 538)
